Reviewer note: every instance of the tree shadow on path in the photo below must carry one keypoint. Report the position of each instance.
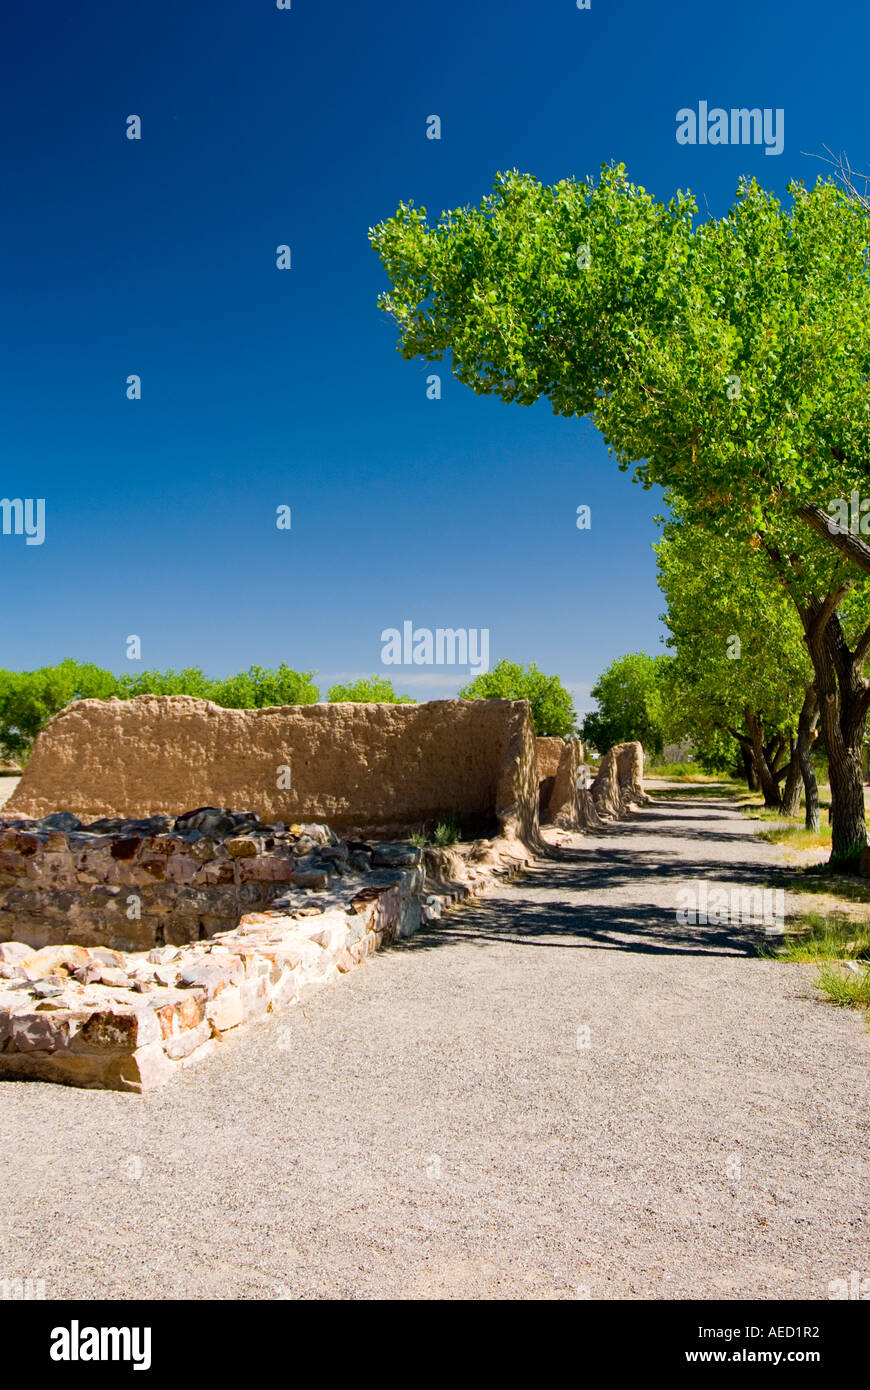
(619, 898)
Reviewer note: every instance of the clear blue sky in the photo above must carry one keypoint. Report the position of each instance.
(262, 387)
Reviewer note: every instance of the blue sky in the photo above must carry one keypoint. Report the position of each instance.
(263, 387)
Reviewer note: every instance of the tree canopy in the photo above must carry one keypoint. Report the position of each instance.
(376, 690)
(630, 706)
(552, 705)
(726, 360)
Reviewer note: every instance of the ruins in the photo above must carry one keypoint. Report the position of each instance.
(134, 937)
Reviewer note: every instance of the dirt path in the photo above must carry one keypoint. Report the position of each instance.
(430, 1127)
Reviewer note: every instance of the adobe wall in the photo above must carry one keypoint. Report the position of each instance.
(559, 763)
(549, 752)
(618, 783)
(351, 765)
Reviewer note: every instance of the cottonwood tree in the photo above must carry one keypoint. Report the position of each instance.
(740, 662)
(365, 691)
(727, 361)
(552, 707)
(629, 695)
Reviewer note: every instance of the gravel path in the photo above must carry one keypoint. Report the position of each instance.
(7, 787)
(431, 1128)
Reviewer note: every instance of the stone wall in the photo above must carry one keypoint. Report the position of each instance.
(135, 884)
(99, 1018)
(352, 765)
(101, 1015)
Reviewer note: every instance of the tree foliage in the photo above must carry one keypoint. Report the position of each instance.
(552, 706)
(725, 360)
(737, 639)
(630, 706)
(376, 690)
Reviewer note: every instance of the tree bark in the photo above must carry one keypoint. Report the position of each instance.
(843, 696)
(809, 718)
(791, 792)
(748, 765)
(767, 780)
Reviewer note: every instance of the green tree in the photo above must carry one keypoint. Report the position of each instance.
(189, 681)
(727, 361)
(552, 706)
(28, 699)
(261, 686)
(740, 662)
(629, 704)
(377, 690)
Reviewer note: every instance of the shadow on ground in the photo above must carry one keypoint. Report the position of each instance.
(588, 897)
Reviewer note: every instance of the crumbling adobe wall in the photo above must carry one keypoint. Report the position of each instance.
(559, 763)
(629, 773)
(562, 809)
(351, 765)
(618, 783)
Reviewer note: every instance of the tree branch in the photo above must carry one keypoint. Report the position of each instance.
(862, 651)
(838, 536)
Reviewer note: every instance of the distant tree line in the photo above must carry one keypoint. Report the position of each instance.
(28, 699)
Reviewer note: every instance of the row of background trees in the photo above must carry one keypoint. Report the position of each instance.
(28, 699)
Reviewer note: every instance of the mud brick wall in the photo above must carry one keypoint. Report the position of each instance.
(559, 763)
(351, 765)
(618, 783)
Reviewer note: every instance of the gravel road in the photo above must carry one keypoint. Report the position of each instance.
(437, 1126)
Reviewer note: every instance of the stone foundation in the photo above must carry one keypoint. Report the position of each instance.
(128, 1022)
(231, 920)
(135, 884)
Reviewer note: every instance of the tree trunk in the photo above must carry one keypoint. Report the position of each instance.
(767, 781)
(842, 692)
(843, 696)
(791, 792)
(809, 718)
(773, 751)
(748, 766)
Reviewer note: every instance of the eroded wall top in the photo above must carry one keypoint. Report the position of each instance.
(347, 764)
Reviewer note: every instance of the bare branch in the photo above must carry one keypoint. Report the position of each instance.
(847, 176)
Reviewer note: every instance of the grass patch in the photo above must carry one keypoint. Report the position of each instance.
(793, 833)
(840, 949)
(448, 831)
(688, 772)
(818, 878)
(847, 986)
(814, 937)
